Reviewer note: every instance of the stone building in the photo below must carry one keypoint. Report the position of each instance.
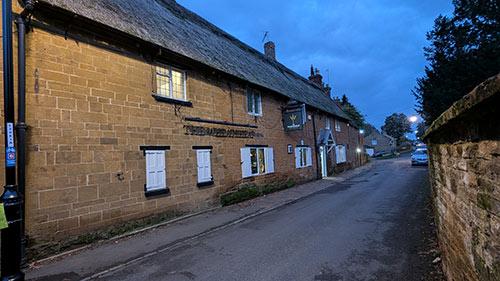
(136, 108)
(378, 142)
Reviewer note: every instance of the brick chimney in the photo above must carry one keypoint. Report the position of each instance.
(315, 77)
(328, 90)
(270, 50)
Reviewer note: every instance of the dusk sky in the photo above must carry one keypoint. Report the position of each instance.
(370, 50)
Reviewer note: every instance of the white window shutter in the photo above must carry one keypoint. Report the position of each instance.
(246, 169)
(204, 165)
(337, 154)
(160, 172)
(150, 169)
(155, 169)
(309, 157)
(297, 157)
(340, 154)
(269, 160)
(208, 167)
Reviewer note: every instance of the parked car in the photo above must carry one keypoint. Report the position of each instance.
(419, 157)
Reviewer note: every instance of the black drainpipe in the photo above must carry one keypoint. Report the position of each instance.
(21, 125)
(318, 168)
(12, 201)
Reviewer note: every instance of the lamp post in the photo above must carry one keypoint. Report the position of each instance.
(11, 200)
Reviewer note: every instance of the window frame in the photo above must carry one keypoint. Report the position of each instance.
(338, 159)
(253, 94)
(266, 158)
(148, 191)
(258, 155)
(338, 128)
(170, 68)
(208, 150)
(304, 154)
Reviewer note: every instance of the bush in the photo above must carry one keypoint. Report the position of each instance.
(250, 191)
(244, 193)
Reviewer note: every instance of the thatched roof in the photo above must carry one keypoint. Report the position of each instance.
(173, 27)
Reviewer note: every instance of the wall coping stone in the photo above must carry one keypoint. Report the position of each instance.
(481, 94)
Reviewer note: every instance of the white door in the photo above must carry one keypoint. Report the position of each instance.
(322, 160)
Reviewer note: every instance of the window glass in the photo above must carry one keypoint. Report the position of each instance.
(170, 83)
(303, 157)
(162, 81)
(262, 163)
(177, 85)
(250, 101)
(253, 160)
(254, 103)
(337, 126)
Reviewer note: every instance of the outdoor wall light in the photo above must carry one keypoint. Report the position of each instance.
(358, 150)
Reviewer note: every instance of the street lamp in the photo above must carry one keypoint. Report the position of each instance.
(361, 131)
(413, 119)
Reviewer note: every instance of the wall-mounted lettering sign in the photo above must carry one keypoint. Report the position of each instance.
(220, 132)
(294, 118)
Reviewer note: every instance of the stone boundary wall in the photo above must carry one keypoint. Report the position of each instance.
(464, 164)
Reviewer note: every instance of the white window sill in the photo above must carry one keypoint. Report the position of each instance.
(255, 114)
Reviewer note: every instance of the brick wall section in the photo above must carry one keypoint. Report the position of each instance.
(89, 110)
(464, 146)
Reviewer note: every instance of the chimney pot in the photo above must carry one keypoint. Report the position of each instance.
(316, 77)
(270, 50)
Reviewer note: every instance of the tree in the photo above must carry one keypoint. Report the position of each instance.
(421, 128)
(397, 125)
(464, 51)
(353, 113)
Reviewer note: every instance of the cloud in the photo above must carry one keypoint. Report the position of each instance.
(372, 49)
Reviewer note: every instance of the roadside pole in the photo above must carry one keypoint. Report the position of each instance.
(11, 200)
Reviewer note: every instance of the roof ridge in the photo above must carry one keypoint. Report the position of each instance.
(219, 31)
(169, 25)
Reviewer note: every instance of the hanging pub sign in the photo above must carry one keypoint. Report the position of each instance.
(294, 117)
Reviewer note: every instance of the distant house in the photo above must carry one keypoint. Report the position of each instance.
(377, 142)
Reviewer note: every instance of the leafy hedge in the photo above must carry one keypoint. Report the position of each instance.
(250, 191)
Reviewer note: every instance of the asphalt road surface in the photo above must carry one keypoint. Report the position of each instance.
(367, 228)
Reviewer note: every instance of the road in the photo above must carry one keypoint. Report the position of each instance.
(367, 228)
